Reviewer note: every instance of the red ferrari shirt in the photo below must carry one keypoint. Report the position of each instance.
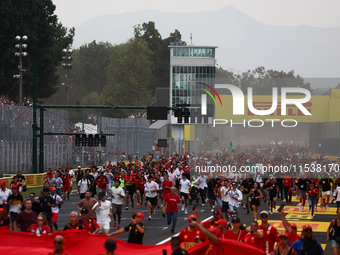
(293, 237)
(172, 202)
(209, 224)
(129, 180)
(270, 236)
(313, 192)
(287, 181)
(89, 224)
(166, 190)
(102, 181)
(237, 237)
(66, 179)
(253, 240)
(140, 182)
(188, 236)
(216, 248)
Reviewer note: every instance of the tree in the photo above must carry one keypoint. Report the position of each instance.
(47, 38)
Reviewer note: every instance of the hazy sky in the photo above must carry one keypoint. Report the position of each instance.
(317, 13)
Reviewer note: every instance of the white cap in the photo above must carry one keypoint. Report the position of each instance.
(264, 212)
(79, 166)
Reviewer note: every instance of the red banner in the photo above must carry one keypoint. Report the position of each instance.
(79, 242)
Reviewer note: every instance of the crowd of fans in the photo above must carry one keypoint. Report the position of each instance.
(4, 100)
(176, 181)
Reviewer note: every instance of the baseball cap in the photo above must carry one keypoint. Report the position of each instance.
(222, 222)
(217, 212)
(2, 183)
(307, 226)
(79, 166)
(102, 194)
(104, 165)
(264, 212)
(49, 167)
(52, 188)
(285, 234)
(237, 220)
(69, 167)
(216, 231)
(84, 211)
(14, 187)
(292, 225)
(140, 215)
(192, 216)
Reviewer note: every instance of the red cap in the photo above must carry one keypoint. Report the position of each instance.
(140, 215)
(69, 167)
(306, 227)
(217, 212)
(284, 234)
(292, 225)
(49, 167)
(14, 187)
(2, 183)
(222, 222)
(52, 188)
(216, 230)
(136, 160)
(192, 216)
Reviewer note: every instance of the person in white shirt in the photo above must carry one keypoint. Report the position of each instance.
(201, 183)
(235, 197)
(178, 171)
(4, 194)
(151, 189)
(172, 176)
(184, 185)
(104, 212)
(117, 194)
(56, 208)
(225, 197)
(83, 186)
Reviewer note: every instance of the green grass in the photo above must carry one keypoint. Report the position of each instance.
(37, 190)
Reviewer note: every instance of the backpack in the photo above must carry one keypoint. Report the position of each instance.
(310, 247)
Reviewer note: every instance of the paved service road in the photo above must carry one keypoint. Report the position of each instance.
(157, 230)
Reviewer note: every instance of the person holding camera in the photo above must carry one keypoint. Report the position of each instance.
(136, 229)
(191, 235)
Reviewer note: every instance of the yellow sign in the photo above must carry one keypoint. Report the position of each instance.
(317, 226)
(322, 108)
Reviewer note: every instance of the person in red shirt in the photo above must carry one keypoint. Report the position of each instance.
(130, 188)
(170, 204)
(140, 181)
(101, 181)
(312, 193)
(287, 183)
(253, 237)
(236, 233)
(4, 220)
(217, 214)
(214, 238)
(223, 226)
(191, 235)
(66, 184)
(90, 225)
(291, 229)
(270, 233)
(40, 226)
(284, 247)
(166, 185)
(48, 172)
(58, 246)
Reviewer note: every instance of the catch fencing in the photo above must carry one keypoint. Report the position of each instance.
(132, 137)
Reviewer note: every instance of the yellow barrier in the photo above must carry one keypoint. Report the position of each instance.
(38, 179)
(331, 158)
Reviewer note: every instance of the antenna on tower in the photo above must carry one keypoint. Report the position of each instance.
(191, 37)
